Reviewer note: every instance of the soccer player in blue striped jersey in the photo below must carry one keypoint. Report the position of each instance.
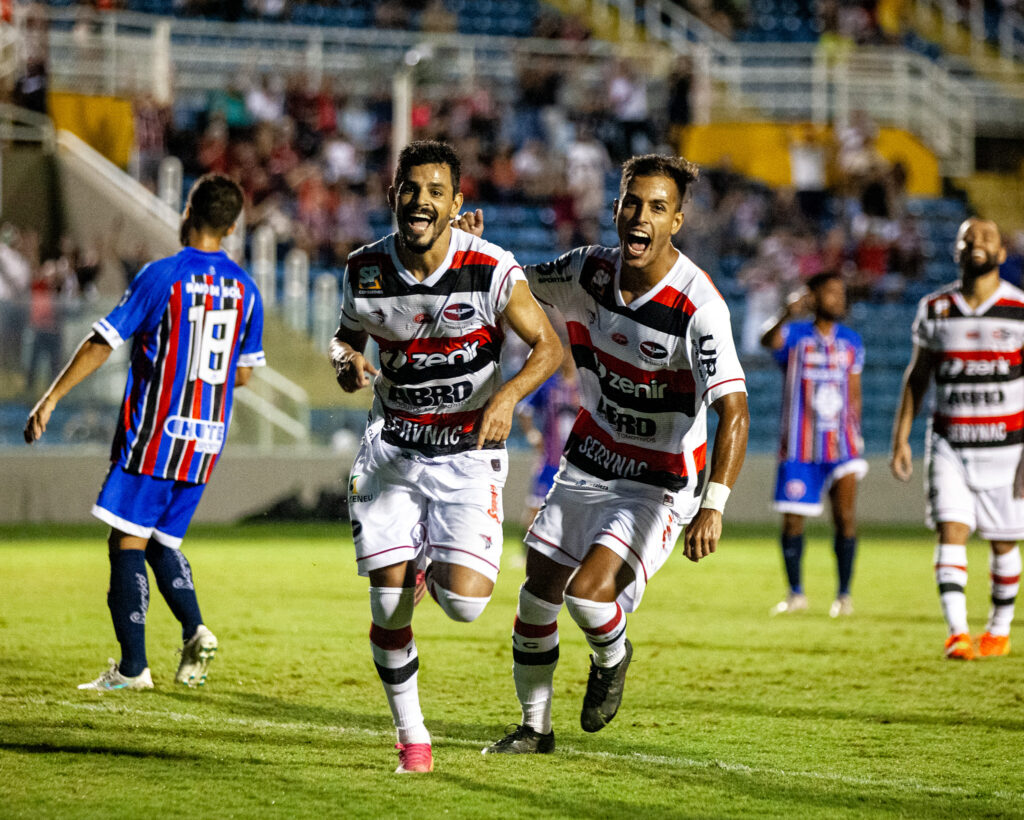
(196, 321)
(821, 448)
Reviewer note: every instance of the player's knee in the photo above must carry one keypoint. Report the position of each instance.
(463, 608)
(391, 607)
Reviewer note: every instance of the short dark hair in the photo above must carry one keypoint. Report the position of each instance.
(214, 204)
(682, 172)
(428, 152)
(822, 277)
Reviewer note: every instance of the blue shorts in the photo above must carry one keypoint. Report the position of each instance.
(157, 508)
(542, 482)
(799, 485)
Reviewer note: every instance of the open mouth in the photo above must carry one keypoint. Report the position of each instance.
(637, 242)
(419, 222)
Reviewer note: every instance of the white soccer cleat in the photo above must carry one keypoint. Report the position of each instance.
(841, 606)
(196, 655)
(112, 680)
(794, 602)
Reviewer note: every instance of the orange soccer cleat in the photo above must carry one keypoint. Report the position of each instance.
(959, 647)
(992, 646)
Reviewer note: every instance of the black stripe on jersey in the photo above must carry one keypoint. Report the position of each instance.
(947, 587)
(410, 373)
(942, 376)
(686, 403)
(535, 658)
(575, 455)
(400, 675)
(154, 378)
(1012, 437)
(185, 405)
(598, 279)
(1012, 312)
(1003, 601)
(465, 279)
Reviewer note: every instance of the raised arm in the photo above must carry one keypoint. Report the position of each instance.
(91, 353)
(915, 384)
(530, 324)
(797, 304)
(350, 365)
(703, 532)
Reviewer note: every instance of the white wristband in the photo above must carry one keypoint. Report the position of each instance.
(715, 497)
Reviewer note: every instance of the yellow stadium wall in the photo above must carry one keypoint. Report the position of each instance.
(761, 150)
(105, 123)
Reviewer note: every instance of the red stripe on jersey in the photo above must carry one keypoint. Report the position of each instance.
(610, 626)
(657, 460)
(170, 366)
(670, 297)
(1004, 302)
(460, 258)
(198, 392)
(465, 419)
(1006, 579)
(390, 639)
(1009, 356)
(445, 344)
(1014, 421)
(679, 381)
(534, 630)
(719, 384)
(700, 456)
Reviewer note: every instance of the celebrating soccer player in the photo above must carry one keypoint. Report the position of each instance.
(197, 322)
(653, 346)
(821, 447)
(427, 481)
(968, 336)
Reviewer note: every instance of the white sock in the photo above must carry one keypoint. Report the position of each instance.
(396, 659)
(534, 658)
(1005, 572)
(604, 625)
(951, 577)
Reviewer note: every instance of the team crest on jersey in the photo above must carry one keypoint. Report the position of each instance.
(620, 338)
(599, 281)
(652, 351)
(459, 313)
(370, 278)
(941, 308)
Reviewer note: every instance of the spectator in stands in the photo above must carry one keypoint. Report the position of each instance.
(437, 18)
(30, 89)
(680, 110)
(808, 164)
(264, 101)
(44, 321)
(627, 93)
(15, 287)
(587, 163)
(227, 102)
(151, 120)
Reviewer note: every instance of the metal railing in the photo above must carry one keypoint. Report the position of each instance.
(744, 81)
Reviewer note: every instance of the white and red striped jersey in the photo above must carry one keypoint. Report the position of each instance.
(440, 339)
(979, 390)
(647, 370)
(195, 317)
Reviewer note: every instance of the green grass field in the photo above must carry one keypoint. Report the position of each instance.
(727, 712)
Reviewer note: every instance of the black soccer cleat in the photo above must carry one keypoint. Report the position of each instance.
(523, 740)
(604, 692)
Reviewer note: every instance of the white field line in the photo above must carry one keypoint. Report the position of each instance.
(636, 757)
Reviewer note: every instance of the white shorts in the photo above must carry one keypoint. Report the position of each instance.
(993, 512)
(407, 507)
(639, 523)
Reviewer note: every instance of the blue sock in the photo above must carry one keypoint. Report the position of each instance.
(846, 549)
(792, 553)
(128, 600)
(174, 580)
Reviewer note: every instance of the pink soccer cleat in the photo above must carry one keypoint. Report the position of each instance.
(414, 757)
